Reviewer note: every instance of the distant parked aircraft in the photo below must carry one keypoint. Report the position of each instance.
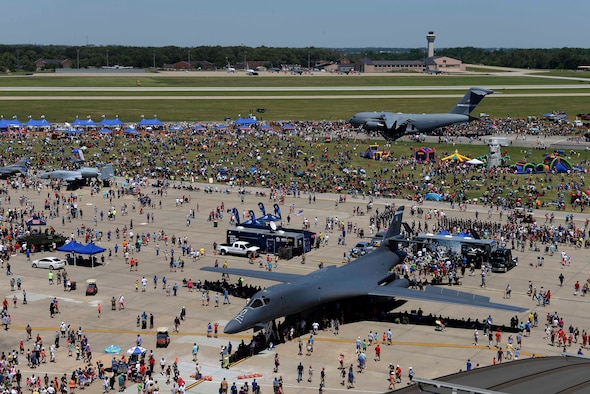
(228, 67)
(81, 175)
(20, 167)
(117, 67)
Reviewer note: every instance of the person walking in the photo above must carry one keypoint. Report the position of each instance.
(299, 372)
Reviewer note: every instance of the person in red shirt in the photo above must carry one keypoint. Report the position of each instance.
(377, 353)
(498, 338)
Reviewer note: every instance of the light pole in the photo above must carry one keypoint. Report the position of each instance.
(107, 57)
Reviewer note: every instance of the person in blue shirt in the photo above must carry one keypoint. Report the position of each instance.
(468, 366)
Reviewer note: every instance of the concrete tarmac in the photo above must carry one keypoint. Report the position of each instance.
(429, 352)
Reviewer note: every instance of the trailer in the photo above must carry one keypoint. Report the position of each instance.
(282, 242)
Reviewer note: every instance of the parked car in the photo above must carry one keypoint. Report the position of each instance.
(52, 263)
(361, 249)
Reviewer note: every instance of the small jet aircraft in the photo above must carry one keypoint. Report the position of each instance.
(20, 167)
(369, 275)
(228, 67)
(81, 175)
(395, 125)
(250, 71)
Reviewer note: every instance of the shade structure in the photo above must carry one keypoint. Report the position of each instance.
(136, 350)
(9, 123)
(42, 123)
(245, 121)
(90, 249)
(456, 157)
(432, 197)
(150, 122)
(83, 123)
(111, 122)
(70, 247)
(35, 221)
(75, 247)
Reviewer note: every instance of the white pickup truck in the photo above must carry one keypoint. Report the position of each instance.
(239, 248)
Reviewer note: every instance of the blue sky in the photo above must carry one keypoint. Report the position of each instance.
(298, 23)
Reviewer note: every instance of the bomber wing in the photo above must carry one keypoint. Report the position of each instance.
(267, 275)
(441, 294)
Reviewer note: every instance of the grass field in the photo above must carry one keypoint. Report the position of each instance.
(202, 98)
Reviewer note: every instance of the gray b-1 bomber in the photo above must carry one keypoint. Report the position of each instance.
(369, 275)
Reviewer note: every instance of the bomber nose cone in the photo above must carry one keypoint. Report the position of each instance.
(232, 327)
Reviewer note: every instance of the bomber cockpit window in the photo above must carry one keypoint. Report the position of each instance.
(257, 303)
(266, 300)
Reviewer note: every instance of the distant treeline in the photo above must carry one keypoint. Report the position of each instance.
(24, 57)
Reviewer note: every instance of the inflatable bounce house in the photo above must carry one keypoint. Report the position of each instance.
(551, 163)
(374, 153)
(425, 155)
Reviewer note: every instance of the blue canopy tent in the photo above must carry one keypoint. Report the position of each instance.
(84, 123)
(75, 247)
(265, 127)
(110, 122)
(245, 122)
(150, 122)
(70, 247)
(287, 127)
(199, 127)
(9, 123)
(220, 127)
(432, 197)
(130, 131)
(90, 249)
(42, 123)
(104, 130)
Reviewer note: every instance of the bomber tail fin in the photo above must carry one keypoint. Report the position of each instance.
(396, 224)
(470, 101)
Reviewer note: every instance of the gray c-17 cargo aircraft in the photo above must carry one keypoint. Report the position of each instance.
(369, 275)
(20, 167)
(395, 125)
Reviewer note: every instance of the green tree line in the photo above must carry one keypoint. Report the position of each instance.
(23, 57)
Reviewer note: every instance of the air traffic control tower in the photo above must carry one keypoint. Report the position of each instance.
(430, 38)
